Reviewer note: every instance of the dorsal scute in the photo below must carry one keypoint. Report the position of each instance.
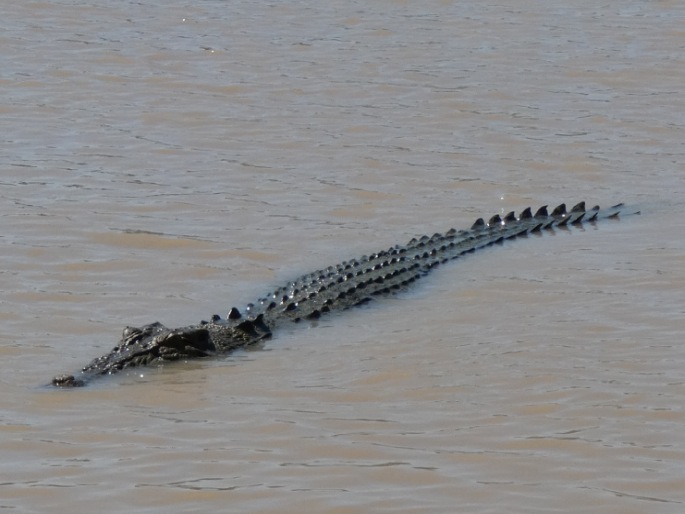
(495, 220)
(579, 207)
(559, 211)
(542, 212)
(479, 223)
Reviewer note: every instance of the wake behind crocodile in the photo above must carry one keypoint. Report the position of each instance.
(337, 287)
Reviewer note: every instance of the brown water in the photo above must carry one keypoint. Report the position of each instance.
(165, 161)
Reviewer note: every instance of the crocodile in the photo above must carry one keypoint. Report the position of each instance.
(312, 295)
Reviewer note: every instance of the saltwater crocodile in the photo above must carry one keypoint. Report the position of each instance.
(336, 287)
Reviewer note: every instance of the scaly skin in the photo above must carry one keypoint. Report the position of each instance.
(334, 288)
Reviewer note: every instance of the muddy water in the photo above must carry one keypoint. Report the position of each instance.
(165, 161)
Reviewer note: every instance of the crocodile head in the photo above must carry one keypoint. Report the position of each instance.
(155, 343)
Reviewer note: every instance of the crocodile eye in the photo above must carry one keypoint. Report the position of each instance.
(130, 332)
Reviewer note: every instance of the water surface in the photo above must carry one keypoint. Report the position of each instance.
(165, 161)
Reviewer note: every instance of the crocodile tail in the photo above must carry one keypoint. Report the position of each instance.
(497, 229)
(352, 282)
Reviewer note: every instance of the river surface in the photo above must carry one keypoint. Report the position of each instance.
(164, 160)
